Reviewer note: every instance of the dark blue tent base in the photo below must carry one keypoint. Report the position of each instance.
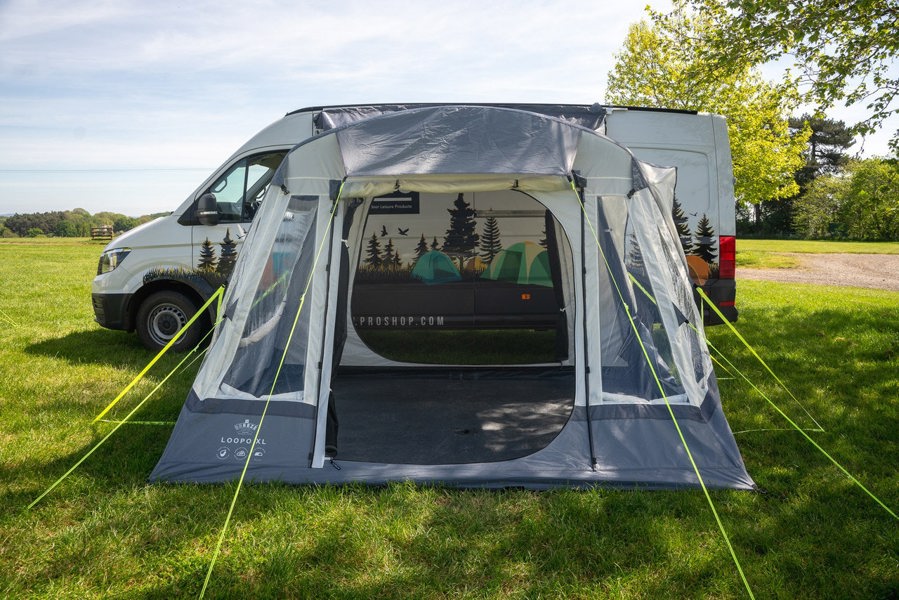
(450, 416)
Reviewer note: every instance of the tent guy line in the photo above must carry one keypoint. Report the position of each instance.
(683, 439)
(243, 473)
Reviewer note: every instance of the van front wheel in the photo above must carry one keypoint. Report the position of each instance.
(160, 317)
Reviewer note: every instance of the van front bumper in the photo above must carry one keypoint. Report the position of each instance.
(111, 310)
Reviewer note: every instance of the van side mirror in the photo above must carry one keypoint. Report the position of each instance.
(207, 210)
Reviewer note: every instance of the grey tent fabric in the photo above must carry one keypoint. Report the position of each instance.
(601, 416)
(458, 140)
(592, 117)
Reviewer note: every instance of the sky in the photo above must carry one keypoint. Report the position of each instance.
(128, 105)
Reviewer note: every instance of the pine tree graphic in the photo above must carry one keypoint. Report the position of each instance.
(704, 247)
(422, 248)
(207, 257)
(461, 239)
(228, 255)
(434, 244)
(387, 259)
(683, 227)
(634, 259)
(491, 244)
(373, 252)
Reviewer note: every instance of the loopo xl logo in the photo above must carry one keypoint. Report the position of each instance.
(243, 437)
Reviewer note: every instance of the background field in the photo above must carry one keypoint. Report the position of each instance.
(775, 254)
(105, 532)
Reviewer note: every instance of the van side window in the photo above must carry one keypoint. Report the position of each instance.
(239, 191)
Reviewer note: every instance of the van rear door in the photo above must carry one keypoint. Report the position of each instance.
(698, 145)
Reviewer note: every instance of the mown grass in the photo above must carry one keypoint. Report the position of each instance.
(106, 532)
(769, 254)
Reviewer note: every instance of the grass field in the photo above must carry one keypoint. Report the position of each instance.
(774, 254)
(105, 532)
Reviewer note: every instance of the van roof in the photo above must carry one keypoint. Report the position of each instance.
(587, 108)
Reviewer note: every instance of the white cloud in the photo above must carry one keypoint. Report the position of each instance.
(23, 19)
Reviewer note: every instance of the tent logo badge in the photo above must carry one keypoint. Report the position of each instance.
(245, 428)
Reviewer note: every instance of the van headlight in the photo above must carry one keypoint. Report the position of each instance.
(110, 259)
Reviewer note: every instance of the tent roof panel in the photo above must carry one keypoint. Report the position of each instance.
(459, 140)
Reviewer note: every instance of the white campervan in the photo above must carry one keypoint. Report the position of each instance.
(153, 278)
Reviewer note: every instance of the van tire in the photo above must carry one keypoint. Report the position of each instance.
(160, 317)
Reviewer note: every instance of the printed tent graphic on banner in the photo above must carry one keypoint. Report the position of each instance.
(435, 267)
(292, 390)
(524, 262)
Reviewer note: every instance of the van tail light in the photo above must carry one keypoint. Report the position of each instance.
(727, 260)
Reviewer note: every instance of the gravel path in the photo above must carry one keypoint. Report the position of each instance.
(879, 271)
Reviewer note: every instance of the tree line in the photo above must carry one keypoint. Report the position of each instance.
(839, 196)
(69, 223)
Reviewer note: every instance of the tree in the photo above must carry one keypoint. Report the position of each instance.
(843, 51)
(397, 261)
(461, 239)
(818, 208)
(123, 223)
(207, 257)
(434, 244)
(228, 255)
(704, 247)
(490, 242)
(387, 259)
(659, 67)
(422, 248)
(34, 224)
(871, 211)
(373, 252)
(827, 145)
(682, 222)
(72, 228)
(825, 154)
(863, 204)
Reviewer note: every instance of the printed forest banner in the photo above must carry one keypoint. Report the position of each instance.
(476, 259)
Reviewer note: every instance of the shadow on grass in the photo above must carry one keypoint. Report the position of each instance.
(122, 461)
(99, 346)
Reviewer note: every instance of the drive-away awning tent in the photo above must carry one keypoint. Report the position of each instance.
(289, 389)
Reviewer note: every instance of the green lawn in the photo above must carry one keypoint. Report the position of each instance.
(105, 532)
(775, 254)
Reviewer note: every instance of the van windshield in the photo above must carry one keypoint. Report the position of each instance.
(240, 190)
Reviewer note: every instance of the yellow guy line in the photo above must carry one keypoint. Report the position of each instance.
(118, 424)
(765, 396)
(8, 319)
(215, 297)
(797, 427)
(683, 440)
(730, 325)
(246, 465)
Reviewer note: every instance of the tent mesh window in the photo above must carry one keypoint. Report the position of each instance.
(275, 304)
